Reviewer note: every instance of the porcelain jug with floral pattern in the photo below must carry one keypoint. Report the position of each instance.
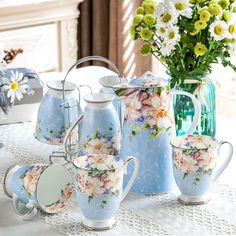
(98, 127)
(148, 124)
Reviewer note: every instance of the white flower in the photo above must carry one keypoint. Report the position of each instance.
(114, 181)
(166, 13)
(16, 86)
(30, 179)
(131, 108)
(183, 7)
(233, 45)
(161, 30)
(116, 141)
(172, 35)
(159, 113)
(167, 48)
(232, 28)
(98, 146)
(219, 30)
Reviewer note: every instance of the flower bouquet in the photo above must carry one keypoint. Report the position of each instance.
(188, 37)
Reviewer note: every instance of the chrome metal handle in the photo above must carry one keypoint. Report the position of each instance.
(90, 58)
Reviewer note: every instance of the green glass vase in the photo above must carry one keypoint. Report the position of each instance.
(204, 90)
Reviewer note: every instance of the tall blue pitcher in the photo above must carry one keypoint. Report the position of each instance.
(148, 124)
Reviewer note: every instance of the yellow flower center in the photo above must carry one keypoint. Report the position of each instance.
(200, 49)
(166, 18)
(180, 6)
(14, 85)
(232, 29)
(218, 30)
(98, 146)
(162, 30)
(171, 35)
(233, 40)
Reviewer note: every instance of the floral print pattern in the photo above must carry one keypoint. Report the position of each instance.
(103, 143)
(192, 141)
(148, 108)
(52, 137)
(194, 155)
(57, 206)
(99, 175)
(30, 178)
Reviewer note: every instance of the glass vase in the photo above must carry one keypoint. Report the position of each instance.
(203, 88)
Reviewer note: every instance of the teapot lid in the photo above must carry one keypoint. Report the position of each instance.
(58, 85)
(148, 80)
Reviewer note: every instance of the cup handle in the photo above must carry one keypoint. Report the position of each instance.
(67, 136)
(30, 205)
(222, 167)
(197, 108)
(133, 177)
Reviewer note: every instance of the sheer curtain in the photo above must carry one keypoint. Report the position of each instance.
(104, 30)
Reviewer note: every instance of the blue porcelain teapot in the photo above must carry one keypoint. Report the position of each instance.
(147, 127)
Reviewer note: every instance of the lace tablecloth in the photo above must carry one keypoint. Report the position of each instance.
(138, 214)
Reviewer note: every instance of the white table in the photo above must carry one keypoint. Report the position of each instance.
(138, 215)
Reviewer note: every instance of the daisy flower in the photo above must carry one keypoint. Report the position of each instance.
(166, 13)
(233, 45)
(232, 28)
(183, 8)
(172, 35)
(161, 30)
(16, 86)
(167, 48)
(219, 30)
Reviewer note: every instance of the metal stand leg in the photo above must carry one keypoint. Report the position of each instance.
(60, 155)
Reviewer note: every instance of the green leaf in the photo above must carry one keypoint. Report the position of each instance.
(147, 126)
(134, 133)
(185, 175)
(137, 128)
(90, 198)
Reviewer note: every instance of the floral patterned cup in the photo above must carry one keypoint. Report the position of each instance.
(99, 188)
(48, 187)
(196, 164)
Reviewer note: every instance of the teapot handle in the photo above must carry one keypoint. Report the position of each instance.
(68, 134)
(197, 108)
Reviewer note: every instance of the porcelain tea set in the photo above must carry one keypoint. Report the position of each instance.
(127, 122)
